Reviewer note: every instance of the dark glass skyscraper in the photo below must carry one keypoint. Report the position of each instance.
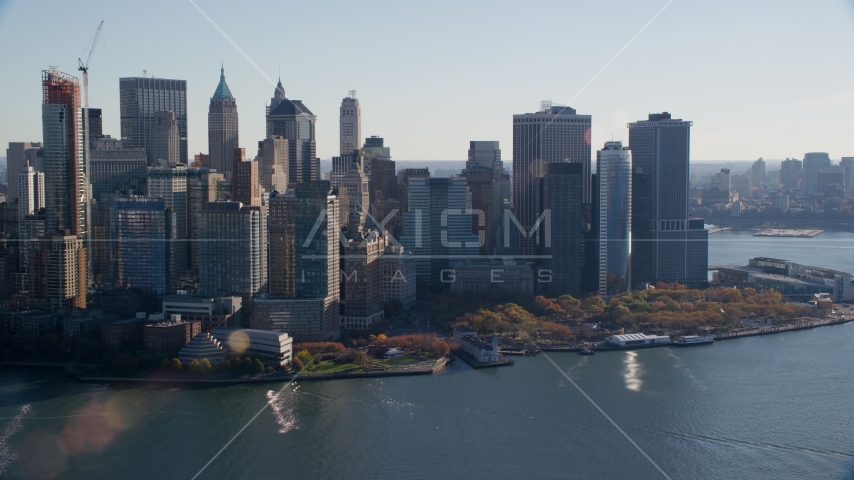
(563, 190)
(660, 146)
(140, 98)
(555, 134)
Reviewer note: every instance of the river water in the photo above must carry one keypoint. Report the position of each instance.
(773, 407)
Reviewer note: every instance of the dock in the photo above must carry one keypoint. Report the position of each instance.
(505, 362)
(770, 330)
(781, 232)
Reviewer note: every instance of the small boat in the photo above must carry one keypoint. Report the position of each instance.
(693, 340)
(586, 351)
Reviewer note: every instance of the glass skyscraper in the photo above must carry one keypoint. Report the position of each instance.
(614, 174)
(143, 234)
(140, 98)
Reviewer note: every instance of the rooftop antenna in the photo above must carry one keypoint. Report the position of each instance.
(145, 73)
(352, 93)
(53, 68)
(545, 105)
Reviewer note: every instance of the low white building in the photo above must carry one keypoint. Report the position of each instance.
(633, 339)
(394, 353)
(476, 348)
(273, 347)
(202, 346)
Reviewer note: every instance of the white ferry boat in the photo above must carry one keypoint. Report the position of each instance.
(692, 340)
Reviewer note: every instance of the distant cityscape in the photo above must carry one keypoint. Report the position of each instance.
(135, 240)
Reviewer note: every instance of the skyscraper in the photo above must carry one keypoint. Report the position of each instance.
(554, 134)
(244, 180)
(113, 168)
(814, 162)
(660, 147)
(383, 179)
(614, 174)
(201, 189)
(140, 98)
(96, 123)
(293, 121)
(357, 185)
(484, 174)
(790, 173)
(165, 145)
(847, 164)
(757, 174)
(280, 229)
(222, 127)
(143, 243)
(438, 227)
(273, 163)
(563, 238)
(57, 270)
(170, 183)
(362, 295)
(16, 155)
(233, 250)
(351, 124)
(30, 191)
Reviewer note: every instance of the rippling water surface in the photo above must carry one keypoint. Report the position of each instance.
(774, 407)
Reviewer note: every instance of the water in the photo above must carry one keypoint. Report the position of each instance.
(770, 407)
(830, 249)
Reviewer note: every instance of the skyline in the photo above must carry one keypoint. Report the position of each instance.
(766, 105)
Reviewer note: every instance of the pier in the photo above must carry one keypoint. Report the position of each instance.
(781, 232)
(783, 328)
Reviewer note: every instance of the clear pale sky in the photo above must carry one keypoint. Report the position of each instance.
(759, 78)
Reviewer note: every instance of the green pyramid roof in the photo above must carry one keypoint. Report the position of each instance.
(222, 92)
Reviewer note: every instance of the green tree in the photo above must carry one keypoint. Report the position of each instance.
(195, 367)
(205, 366)
(304, 356)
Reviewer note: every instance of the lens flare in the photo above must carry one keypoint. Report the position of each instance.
(238, 341)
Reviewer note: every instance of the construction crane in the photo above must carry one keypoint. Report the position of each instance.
(84, 67)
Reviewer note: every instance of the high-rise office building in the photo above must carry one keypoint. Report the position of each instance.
(438, 227)
(563, 238)
(340, 167)
(351, 124)
(484, 174)
(144, 243)
(30, 191)
(373, 149)
(233, 250)
(280, 230)
(790, 173)
(273, 163)
(166, 146)
(244, 180)
(660, 147)
(222, 127)
(614, 174)
(847, 164)
(642, 231)
(304, 264)
(383, 179)
(140, 99)
(16, 155)
(554, 134)
(96, 123)
(293, 121)
(170, 183)
(757, 174)
(201, 189)
(358, 189)
(66, 192)
(114, 169)
(484, 154)
(814, 162)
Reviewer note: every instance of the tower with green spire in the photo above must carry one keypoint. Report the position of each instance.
(222, 127)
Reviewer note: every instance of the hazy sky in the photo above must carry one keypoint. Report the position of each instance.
(759, 78)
